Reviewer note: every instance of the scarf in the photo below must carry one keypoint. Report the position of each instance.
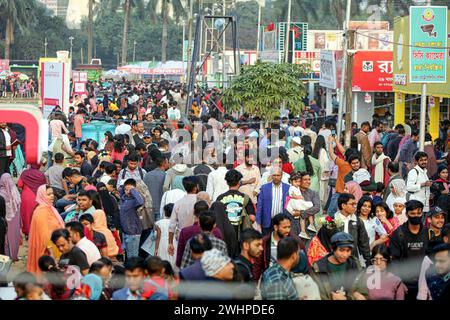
(33, 178)
(101, 226)
(9, 192)
(41, 199)
(379, 168)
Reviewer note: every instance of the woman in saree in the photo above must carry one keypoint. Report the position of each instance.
(10, 193)
(46, 219)
(30, 180)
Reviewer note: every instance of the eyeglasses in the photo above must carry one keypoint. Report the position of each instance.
(378, 259)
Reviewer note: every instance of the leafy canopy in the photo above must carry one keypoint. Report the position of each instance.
(262, 88)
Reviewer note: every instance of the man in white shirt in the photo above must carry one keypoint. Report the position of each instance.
(296, 151)
(173, 113)
(78, 238)
(418, 184)
(5, 148)
(216, 184)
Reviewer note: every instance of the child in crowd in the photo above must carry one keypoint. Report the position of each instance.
(162, 236)
(296, 202)
(156, 286)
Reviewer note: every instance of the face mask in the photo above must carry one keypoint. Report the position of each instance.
(415, 220)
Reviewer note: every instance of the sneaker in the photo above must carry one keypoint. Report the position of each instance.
(304, 235)
(312, 228)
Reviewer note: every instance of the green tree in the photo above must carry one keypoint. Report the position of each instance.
(262, 88)
(129, 5)
(16, 15)
(166, 5)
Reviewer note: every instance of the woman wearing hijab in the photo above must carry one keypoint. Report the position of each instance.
(228, 232)
(354, 188)
(9, 192)
(46, 219)
(101, 226)
(440, 189)
(30, 180)
(91, 288)
(398, 190)
(3, 225)
(111, 210)
(320, 245)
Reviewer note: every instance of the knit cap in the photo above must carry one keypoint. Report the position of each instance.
(213, 261)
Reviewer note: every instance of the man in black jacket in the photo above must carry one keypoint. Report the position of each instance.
(354, 226)
(408, 246)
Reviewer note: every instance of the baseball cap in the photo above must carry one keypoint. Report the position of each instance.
(147, 134)
(435, 211)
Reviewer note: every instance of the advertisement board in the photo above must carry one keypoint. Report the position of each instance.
(373, 71)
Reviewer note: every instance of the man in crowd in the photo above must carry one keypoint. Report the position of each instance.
(379, 169)
(132, 171)
(408, 244)
(363, 142)
(418, 184)
(76, 230)
(354, 226)
(82, 165)
(250, 176)
(155, 181)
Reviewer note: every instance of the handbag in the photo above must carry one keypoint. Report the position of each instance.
(5, 265)
(332, 182)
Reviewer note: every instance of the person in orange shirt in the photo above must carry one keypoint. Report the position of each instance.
(343, 169)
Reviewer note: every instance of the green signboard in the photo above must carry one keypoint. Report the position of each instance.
(428, 39)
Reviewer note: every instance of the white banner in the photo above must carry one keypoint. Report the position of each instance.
(52, 82)
(327, 69)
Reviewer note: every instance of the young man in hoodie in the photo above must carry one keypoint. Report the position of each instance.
(130, 201)
(175, 175)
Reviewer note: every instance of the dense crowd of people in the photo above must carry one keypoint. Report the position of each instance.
(206, 204)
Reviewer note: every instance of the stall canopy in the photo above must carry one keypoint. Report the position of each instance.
(155, 68)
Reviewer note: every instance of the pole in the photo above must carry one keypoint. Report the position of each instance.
(45, 47)
(191, 21)
(258, 35)
(134, 51)
(344, 70)
(184, 49)
(423, 111)
(224, 58)
(287, 33)
(348, 89)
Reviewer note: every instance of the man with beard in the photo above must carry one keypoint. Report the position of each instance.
(408, 247)
(363, 140)
(281, 229)
(251, 249)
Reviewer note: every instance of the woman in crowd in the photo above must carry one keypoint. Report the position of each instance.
(310, 165)
(100, 225)
(388, 286)
(320, 153)
(108, 142)
(375, 230)
(387, 218)
(320, 245)
(46, 219)
(440, 189)
(10, 193)
(3, 225)
(398, 190)
(119, 151)
(30, 180)
(354, 188)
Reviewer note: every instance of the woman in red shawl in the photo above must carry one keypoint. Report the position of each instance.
(30, 180)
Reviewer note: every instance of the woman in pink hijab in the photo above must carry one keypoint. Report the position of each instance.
(9, 192)
(30, 180)
(354, 188)
(46, 219)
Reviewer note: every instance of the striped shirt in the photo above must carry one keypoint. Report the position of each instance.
(277, 199)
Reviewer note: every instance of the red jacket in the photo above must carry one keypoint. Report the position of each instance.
(262, 263)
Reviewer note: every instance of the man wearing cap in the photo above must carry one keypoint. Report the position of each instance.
(296, 151)
(219, 269)
(436, 220)
(337, 272)
(277, 283)
(147, 138)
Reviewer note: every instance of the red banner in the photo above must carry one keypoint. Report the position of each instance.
(373, 71)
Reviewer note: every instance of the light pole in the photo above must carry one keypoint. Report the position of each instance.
(45, 46)
(134, 50)
(71, 49)
(287, 33)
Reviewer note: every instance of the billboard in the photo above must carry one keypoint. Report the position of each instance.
(55, 84)
(373, 71)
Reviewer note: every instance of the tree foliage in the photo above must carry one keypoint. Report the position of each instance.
(262, 88)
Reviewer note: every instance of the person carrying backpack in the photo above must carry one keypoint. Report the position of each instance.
(132, 171)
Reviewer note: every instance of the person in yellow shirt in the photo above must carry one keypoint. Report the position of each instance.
(195, 108)
(112, 106)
